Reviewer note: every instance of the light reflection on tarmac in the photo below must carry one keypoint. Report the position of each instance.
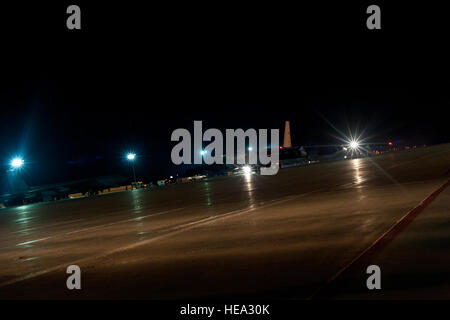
(241, 236)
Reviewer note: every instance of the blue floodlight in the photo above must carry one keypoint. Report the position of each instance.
(17, 163)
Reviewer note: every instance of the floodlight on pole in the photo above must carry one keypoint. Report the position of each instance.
(354, 144)
(16, 163)
(131, 157)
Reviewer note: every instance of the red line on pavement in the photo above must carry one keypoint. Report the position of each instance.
(377, 246)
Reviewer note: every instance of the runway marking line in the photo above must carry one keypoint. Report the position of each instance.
(379, 244)
(125, 220)
(95, 227)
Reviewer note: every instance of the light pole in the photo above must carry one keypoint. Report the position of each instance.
(131, 157)
(354, 147)
(13, 175)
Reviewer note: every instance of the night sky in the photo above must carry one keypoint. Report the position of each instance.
(74, 103)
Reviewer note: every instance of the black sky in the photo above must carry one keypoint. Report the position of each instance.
(73, 103)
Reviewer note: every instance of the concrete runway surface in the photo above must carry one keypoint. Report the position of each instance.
(279, 236)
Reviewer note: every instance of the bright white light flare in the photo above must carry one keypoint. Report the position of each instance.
(17, 162)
